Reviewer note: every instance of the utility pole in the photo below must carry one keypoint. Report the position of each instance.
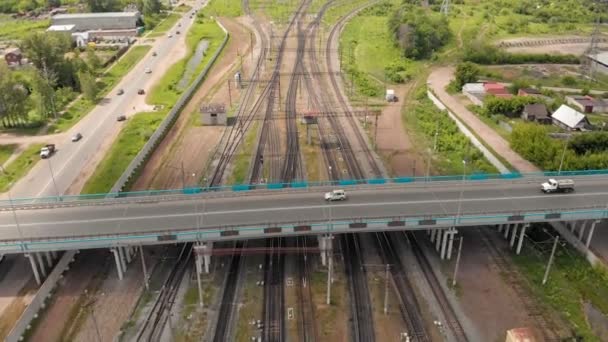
(229, 92)
(143, 265)
(376, 133)
(251, 44)
(330, 266)
(183, 176)
(386, 289)
(550, 260)
(457, 262)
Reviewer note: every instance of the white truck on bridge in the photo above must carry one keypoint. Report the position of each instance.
(559, 185)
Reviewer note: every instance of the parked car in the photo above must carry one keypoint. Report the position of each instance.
(141, 92)
(76, 137)
(154, 54)
(170, 35)
(148, 70)
(120, 92)
(336, 195)
(121, 118)
(177, 32)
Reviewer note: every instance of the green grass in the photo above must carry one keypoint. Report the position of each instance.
(278, 11)
(20, 166)
(571, 283)
(131, 139)
(114, 74)
(165, 25)
(224, 8)
(182, 8)
(166, 92)
(141, 126)
(243, 157)
(5, 152)
(16, 29)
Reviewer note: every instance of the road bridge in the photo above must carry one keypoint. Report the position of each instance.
(256, 214)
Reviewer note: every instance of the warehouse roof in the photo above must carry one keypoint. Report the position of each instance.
(96, 15)
(568, 116)
(601, 57)
(60, 28)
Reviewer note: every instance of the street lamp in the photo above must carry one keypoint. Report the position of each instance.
(428, 163)
(53, 177)
(10, 200)
(561, 163)
(464, 173)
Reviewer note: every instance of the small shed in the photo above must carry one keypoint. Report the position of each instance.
(13, 56)
(536, 112)
(570, 119)
(213, 114)
(586, 104)
(474, 92)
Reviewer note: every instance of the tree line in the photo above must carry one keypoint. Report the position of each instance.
(148, 7)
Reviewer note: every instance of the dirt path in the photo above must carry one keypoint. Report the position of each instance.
(437, 81)
(394, 144)
(188, 145)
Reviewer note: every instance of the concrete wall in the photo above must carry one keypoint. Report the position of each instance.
(220, 119)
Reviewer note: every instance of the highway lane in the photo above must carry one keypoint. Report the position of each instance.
(99, 125)
(262, 209)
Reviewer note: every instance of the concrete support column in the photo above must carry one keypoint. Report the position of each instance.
(54, 255)
(118, 263)
(581, 230)
(499, 228)
(127, 252)
(438, 239)
(522, 234)
(322, 247)
(34, 268)
(507, 229)
(572, 226)
(41, 263)
(444, 243)
(207, 247)
(590, 234)
(121, 257)
(513, 235)
(49, 260)
(433, 235)
(453, 232)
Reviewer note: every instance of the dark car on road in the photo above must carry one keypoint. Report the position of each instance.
(141, 92)
(120, 92)
(121, 118)
(76, 137)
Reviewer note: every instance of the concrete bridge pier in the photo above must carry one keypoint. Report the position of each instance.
(433, 234)
(127, 251)
(119, 262)
(452, 233)
(203, 255)
(507, 229)
(513, 235)
(322, 240)
(590, 233)
(438, 239)
(36, 269)
(522, 234)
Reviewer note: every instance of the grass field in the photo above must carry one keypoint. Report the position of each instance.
(141, 126)
(165, 25)
(5, 152)
(224, 8)
(278, 11)
(16, 29)
(243, 157)
(134, 135)
(81, 107)
(20, 166)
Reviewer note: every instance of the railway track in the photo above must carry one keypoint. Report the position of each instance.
(307, 329)
(452, 321)
(159, 315)
(408, 303)
(274, 296)
(222, 330)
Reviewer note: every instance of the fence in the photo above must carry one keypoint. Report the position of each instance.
(143, 155)
(44, 292)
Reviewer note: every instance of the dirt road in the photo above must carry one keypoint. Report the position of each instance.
(437, 81)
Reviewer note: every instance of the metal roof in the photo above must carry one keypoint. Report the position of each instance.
(60, 28)
(601, 57)
(568, 116)
(96, 15)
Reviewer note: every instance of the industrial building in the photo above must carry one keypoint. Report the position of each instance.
(213, 114)
(97, 21)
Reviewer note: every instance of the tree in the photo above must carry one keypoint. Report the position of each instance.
(44, 88)
(151, 7)
(94, 62)
(89, 87)
(466, 72)
(419, 32)
(14, 98)
(103, 5)
(46, 49)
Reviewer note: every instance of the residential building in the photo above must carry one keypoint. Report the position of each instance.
(474, 92)
(570, 119)
(494, 88)
(13, 56)
(536, 112)
(587, 104)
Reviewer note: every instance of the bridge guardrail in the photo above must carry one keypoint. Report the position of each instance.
(67, 200)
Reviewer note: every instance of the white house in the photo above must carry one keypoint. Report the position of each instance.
(475, 92)
(569, 118)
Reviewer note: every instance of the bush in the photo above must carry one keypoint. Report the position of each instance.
(465, 73)
(511, 107)
(397, 72)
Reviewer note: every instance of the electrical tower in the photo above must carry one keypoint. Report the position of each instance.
(445, 7)
(591, 52)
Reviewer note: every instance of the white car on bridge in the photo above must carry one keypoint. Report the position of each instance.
(336, 195)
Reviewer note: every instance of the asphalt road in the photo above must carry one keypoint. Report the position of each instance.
(99, 125)
(262, 209)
